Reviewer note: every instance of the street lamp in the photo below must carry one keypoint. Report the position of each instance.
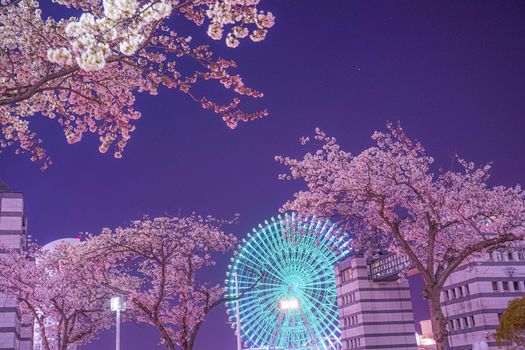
(118, 304)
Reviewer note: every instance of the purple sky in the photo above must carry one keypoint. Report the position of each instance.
(453, 72)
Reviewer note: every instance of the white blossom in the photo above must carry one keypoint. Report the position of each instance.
(61, 56)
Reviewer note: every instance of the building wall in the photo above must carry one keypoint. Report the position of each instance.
(15, 328)
(373, 315)
(477, 293)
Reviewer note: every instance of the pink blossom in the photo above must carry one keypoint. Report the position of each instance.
(85, 72)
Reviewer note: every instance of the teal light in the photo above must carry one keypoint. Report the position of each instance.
(296, 257)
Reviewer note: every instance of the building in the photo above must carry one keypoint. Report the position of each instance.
(373, 314)
(476, 295)
(15, 329)
(425, 340)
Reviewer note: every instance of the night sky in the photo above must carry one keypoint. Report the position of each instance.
(453, 73)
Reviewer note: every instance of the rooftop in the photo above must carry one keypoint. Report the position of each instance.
(3, 187)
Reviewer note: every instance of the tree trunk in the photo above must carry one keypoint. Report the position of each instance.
(168, 342)
(439, 322)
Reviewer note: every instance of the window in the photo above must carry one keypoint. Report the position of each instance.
(510, 257)
(521, 257)
(495, 286)
(447, 296)
(453, 293)
(516, 285)
(497, 255)
(465, 322)
(460, 290)
(472, 322)
(467, 289)
(346, 275)
(451, 325)
(505, 285)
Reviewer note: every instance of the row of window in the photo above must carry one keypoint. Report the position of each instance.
(462, 323)
(457, 292)
(502, 286)
(349, 320)
(352, 343)
(349, 298)
(506, 286)
(389, 265)
(498, 255)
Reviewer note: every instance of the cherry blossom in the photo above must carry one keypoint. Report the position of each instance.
(391, 198)
(165, 256)
(85, 72)
(56, 287)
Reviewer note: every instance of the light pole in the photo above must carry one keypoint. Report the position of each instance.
(118, 304)
(237, 314)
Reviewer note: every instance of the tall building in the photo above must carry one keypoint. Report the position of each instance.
(373, 314)
(16, 329)
(476, 295)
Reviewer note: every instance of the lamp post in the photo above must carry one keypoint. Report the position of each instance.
(237, 314)
(118, 304)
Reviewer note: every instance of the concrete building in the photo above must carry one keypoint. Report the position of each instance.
(476, 295)
(376, 312)
(373, 314)
(425, 340)
(15, 329)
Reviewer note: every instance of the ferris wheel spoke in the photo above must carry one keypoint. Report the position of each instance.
(269, 265)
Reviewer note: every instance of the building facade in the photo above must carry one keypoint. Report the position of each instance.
(425, 340)
(373, 314)
(476, 295)
(16, 329)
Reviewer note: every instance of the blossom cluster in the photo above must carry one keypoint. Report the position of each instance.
(239, 14)
(91, 39)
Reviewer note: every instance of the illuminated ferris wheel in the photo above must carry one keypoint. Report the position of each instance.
(284, 281)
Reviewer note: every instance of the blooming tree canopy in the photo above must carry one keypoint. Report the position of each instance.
(390, 197)
(85, 71)
(56, 287)
(164, 255)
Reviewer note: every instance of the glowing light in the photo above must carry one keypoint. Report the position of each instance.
(289, 304)
(118, 303)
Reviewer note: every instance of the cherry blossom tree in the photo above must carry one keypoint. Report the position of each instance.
(84, 72)
(390, 197)
(165, 255)
(56, 287)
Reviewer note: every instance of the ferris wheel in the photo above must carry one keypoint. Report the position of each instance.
(282, 281)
